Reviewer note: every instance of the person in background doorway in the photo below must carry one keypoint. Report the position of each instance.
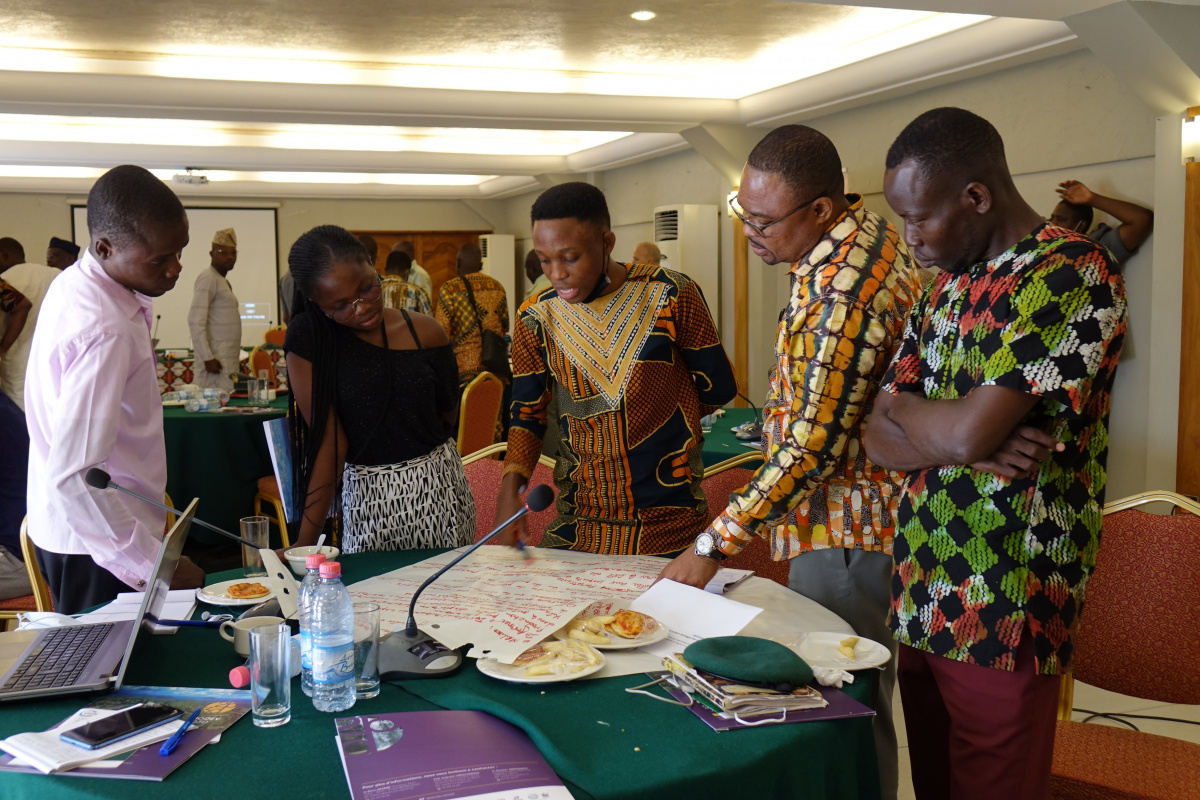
(647, 253)
(465, 321)
(397, 291)
(417, 273)
(534, 277)
(61, 253)
(92, 399)
(1074, 212)
(31, 280)
(215, 319)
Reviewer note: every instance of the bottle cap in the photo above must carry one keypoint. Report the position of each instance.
(314, 560)
(331, 569)
(239, 677)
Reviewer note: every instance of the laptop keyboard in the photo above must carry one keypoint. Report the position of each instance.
(58, 658)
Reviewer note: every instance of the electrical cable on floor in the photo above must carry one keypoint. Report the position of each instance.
(1120, 718)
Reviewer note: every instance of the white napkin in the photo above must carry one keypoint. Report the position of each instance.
(831, 676)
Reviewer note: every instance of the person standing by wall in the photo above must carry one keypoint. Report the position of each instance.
(31, 280)
(215, 319)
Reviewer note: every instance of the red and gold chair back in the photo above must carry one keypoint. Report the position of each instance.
(478, 413)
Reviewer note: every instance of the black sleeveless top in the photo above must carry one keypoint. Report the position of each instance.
(390, 402)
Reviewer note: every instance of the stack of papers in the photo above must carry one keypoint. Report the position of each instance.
(180, 604)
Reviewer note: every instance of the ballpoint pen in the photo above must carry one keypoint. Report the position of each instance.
(169, 745)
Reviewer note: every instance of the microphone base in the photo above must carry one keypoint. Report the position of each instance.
(405, 658)
(748, 432)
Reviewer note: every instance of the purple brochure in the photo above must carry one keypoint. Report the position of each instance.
(442, 755)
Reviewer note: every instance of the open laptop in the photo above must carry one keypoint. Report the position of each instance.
(80, 659)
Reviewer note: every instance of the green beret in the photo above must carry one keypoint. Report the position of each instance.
(748, 658)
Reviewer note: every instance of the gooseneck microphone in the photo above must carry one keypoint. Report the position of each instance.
(749, 431)
(99, 479)
(407, 653)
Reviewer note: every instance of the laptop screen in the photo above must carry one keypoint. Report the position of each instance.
(155, 595)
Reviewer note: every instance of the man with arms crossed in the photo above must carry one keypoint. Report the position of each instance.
(996, 404)
(818, 499)
(92, 398)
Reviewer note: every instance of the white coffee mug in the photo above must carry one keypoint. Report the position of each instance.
(240, 635)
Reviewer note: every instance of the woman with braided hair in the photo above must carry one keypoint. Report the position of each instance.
(374, 400)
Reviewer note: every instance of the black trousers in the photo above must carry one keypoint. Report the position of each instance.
(77, 582)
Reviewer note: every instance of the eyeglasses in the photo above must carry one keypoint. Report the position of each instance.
(347, 310)
(761, 230)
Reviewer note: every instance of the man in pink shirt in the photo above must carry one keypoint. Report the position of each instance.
(91, 398)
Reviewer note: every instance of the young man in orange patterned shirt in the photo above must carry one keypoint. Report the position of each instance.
(822, 504)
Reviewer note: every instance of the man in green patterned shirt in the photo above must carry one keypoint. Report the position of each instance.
(997, 405)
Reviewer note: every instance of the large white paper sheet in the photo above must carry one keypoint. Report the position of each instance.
(691, 614)
(502, 605)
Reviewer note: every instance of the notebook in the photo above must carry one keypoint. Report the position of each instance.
(80, 659)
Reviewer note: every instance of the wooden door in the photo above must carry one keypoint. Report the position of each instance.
(1187, 468)
(437, 251)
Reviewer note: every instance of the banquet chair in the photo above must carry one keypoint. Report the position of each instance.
(275, 336)
(483, 473)
(11, 608)
(718, 482)
(268, 493)
(259, 360)
(478, 413)
(41, 592)
(1139, 636)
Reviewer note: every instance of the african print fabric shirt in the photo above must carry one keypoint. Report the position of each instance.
(631, 373)
(455, 314)
(9, 296)
(401, 294)
(978, 556)
(851, 295)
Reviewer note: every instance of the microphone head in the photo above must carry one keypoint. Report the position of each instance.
(97, 478)
(539, 498)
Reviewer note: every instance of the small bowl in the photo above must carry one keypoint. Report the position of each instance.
(296, 557)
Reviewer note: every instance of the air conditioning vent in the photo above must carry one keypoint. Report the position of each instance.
(666, 225)
(483, 246)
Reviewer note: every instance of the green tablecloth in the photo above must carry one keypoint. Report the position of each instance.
(218, 458)
(604, 742)
(720, 444)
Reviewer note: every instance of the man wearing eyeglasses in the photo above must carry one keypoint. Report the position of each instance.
(818, 500)
(215, 320)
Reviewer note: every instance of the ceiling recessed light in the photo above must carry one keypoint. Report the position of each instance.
(643, 16)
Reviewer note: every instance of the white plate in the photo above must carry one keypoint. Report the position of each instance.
(656, 633)
(217, 593)
(821, 650)
(515, 673)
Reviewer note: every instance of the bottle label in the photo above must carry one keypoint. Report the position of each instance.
(333, 664)
(306, 650)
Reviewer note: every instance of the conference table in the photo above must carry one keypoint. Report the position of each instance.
(217, 457)
(720, 444)
(602, 741)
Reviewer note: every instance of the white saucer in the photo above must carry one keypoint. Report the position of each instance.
(216, 594)
(821, 650)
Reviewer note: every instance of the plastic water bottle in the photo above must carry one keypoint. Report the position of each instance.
(196, 404)
(332, 632)
(308, 587)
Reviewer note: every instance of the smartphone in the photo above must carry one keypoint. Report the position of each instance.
(121, 725)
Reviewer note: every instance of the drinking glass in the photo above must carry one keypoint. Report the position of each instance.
(366, 650)
(255, 530)
(270, 675)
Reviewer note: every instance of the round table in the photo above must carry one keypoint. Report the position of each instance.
(720, 443)
(218, 457)
(604, 742)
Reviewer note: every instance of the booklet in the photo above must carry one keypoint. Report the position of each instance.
(220, 709)
(746, 701)
(451, 755)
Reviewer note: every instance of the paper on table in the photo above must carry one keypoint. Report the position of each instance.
(180, 604)
(726, 579)
(49, 754)
(691, 614)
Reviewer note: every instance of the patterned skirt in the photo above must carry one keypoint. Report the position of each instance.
(421, 503)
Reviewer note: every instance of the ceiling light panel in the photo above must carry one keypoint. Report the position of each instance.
(205, 133)
(677, 56)
(231, 176)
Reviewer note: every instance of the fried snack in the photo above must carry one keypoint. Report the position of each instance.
(558, 658)
(846, 647)
(245, 591)
(627, 624)
(584, 635)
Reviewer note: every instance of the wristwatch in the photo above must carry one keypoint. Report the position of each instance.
(708, 546)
